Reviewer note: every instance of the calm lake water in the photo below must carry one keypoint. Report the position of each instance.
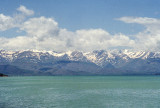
(80, 92)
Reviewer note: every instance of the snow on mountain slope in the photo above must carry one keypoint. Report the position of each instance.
(99, 57)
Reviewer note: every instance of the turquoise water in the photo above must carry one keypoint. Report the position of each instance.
(80, 92)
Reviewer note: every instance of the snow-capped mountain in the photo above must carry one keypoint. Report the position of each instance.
(99, 62)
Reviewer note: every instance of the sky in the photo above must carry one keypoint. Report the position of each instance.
(85, 25)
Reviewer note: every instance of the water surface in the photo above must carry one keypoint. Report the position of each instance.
(80, 92)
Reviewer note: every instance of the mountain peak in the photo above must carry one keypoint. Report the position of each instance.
(123, 60)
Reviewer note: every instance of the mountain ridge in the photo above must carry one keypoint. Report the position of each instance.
(98, 62)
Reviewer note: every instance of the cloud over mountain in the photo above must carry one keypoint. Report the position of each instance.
(43, 33)
(150, 37)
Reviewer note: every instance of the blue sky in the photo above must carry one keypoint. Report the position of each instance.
(76, 15)
(85, 14)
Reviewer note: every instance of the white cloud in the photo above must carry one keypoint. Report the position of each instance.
(17, 43)
(151, 24)
(6, 22)
(41, 27)
(149, 39)
(48, 36)
(95, 39)
(25, 11)
(83, 40)
(44, 34)
(139, 20)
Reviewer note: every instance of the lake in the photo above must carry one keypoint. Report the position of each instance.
(80, 92)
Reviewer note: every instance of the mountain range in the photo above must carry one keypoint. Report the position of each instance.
(98, 62)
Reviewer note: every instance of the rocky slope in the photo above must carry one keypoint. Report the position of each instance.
(113, 62)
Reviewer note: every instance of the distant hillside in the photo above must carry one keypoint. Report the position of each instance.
(114, 62)
(3, 75)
